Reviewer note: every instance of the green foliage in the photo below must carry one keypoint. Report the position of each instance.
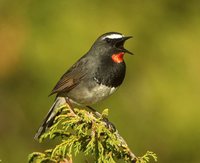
(83, 131)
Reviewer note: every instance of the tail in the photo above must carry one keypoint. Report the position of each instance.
(48, 121)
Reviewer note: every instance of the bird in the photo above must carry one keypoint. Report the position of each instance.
(94, 77)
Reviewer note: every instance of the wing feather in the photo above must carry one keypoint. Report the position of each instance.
(71, 78)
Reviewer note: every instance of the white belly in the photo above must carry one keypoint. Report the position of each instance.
(88, 96)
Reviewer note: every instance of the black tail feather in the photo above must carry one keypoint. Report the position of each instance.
(49, 119)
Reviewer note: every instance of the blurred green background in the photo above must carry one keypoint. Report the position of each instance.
(158, 106)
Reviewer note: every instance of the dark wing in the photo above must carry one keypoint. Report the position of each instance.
(71, 78)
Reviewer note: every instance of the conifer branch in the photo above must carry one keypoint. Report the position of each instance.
(84, 131)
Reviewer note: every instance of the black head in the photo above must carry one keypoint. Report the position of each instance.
(112, 41)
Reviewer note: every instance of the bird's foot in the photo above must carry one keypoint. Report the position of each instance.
(108, 124)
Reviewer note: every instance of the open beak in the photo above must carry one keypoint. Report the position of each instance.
(121, 44)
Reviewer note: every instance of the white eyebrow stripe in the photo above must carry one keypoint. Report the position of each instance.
(114, 36)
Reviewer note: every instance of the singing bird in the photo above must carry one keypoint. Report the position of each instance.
(95, 76)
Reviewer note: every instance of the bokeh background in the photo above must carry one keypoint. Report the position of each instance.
(158, 106)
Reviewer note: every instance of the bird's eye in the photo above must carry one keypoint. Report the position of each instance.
(108, 40)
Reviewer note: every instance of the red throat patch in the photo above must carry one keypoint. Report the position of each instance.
(118, 58)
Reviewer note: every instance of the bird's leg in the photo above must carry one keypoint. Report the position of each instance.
(70, 106)
(94, 111)
(108, 123)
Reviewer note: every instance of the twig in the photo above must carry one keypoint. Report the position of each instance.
(87, 132)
